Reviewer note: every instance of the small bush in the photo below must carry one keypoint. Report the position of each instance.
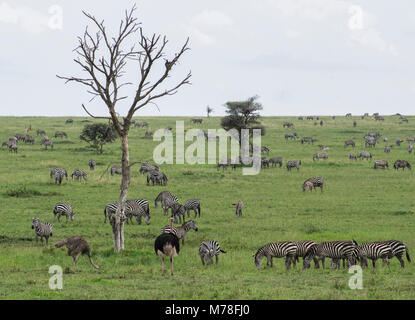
(311, 228)
(188, 173)
(399, 213)
(22, 192)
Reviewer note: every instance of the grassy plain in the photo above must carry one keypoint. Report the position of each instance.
(359, 202)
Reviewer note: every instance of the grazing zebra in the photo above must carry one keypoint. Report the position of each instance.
(398, 249)
(133, 208)
(411, 139)
(320, 155)
(181, 231)
(300, 118)
(141, 124)
(302, 249)
(265, 150)
(238, 210)
(348, 114)
(401, 164)
(387, 149)
(308, 140)
(167, 200)
(276, 160)
(398, 142)
(224, 163)
(208, 249)
(39, 132)
(374, 251)
(13, 148)
(276, 250)
(264, 163)
(192, 204)
(404, 119)
(20, 136)
(291, 136)
(385, 139)
(311, 183)
(196, 120)
(352, 155)
(63, 209)
(42, 230)
(323, 148)
(381, 163)
(141, 202)
(60, 134)
(147, 167)
(354, 124)
(79, 174)
(365, 155)
(310, 118)
(29, 139)
(410, 148)
(287, 125)
(116, 170)
(47, 143)
(60, 170)
(178, 212)
(334, 250)
(293, 164)
(69, 121)
(156, 177)
(92, 163)
(6, 144)
(349, 143)
(379, 118)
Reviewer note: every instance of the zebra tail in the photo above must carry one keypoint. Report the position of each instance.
(198, 209)
(407, 255)
(222, 250)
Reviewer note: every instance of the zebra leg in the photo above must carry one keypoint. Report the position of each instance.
(217, 258)
(203, 260)
(269, 260)
(316, 263)
(322, 262)
(401, 261)
(374, 263)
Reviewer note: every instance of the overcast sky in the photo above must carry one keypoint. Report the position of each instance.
(300, 57)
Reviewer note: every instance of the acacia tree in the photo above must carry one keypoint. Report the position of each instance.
(209, 110)
(104, 59)
(98, 134)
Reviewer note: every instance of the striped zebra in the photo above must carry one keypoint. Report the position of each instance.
(58, 170)
(291, 136)
(398, 142)
(156, 177)
(192, 204)
(208, 249)
(132, 209)
(276, 160)
(352, 156)
(42, 230)
(381, 163)
(181, 232)
(238, 208)
(293, 164)
(13, 148)
(39, 132)
(79, 174)
(334, 250)
(349, 143)
(59, 174)
(365, 155)
(167, 200)
(147, 167)
(398, 249)
(370, 143)
(302, 250)
(272, 250)
(308, 140)
(320, 155)
(410, 148)
(387, 149)
(92, 163)
(374, 251)
(311, 183)
(47, 143)
(116, 170)
(63, 209)
(142, 202)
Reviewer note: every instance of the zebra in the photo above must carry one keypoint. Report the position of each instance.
(60, 170)
(264, 163)
(208, 249)
(374, 251)
(79, 174)
(265, 150)
(29, 139)
(401, 164)
(42, 230)
(224, 163)
(285, 249)
(147, 167)
(60, 134)
(300, 118)
(354, 124)
(320, 155)
(308, 140)
(288, 124)
(167, 200)
(141, 124)
(370, 143)
(353, 156)
(116, 170)
(148, 133)
(47, 143)
(20, 136)
(411, 139)
(348, 114)
(293, 164)
(92, 163)
(132, 208)
(410, 148)
(276, 160)
(39, 132)
(239, 205)
(302, 249)
(156, 177)
(13, 148)
(6, 144)
(141, 202)
(379, 118)
(334, 250)
(323, 148)
(310, 118)
(381, 163)
(291, 136)
(398, 142)
(349, 143)
(65, 209)
(365, 155)
(398, 249)
(196, 120)
(311, 183)
(387, 149)
(181, 231)
(192, 204)
(69, 121)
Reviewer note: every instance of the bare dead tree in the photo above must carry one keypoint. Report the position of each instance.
(104, 72)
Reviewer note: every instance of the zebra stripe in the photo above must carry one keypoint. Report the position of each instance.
(293, 164)
(63, 209)
(278, 250)
(79, 174)
(208, 249)
(181, 231)
(42, 230)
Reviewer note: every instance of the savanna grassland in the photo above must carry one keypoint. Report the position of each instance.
(358, 203)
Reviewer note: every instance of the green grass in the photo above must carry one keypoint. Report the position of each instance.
(358, 202)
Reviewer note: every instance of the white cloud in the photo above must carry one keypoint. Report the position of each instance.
(28, 19)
